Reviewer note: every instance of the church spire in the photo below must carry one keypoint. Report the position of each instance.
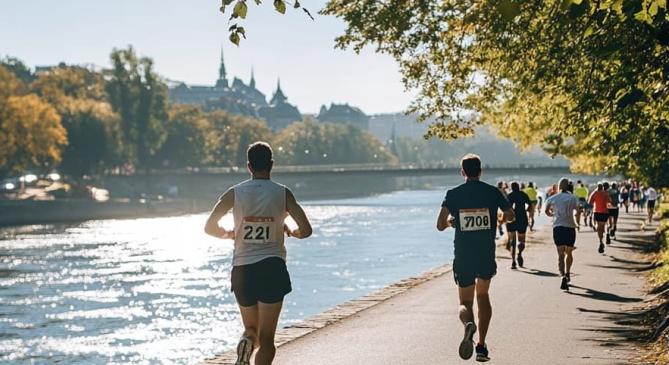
(222, 81)
(279, 97)
(252, 83)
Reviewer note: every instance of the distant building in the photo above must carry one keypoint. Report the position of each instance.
(279, 113)
(344, 114)
(238, 98)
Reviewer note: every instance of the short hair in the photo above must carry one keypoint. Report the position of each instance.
(606, 185)
(564, 184)
(471, 165)
(259, 156)
(530, 184)
(614, 186)
(515, 186)
(600, 186)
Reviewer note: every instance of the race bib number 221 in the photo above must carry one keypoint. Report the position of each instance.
(257, 229)
(477, 219)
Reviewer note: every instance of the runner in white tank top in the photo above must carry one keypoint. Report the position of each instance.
(259, 277)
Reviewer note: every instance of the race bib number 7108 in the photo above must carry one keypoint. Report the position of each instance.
(257, 229)
(474, 219)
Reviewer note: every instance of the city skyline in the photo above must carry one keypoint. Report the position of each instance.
(185, 40)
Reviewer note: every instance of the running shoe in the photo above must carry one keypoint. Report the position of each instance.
(466, 349)
(568, 277)
(521, 261)
(482, 353)
(513, 266)
(601, 248)
(244, 351)
(565, 283)
(608, 239)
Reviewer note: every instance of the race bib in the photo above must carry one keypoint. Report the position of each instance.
(474, 219)
(257, 229)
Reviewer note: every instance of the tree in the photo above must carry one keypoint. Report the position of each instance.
(93, 129)
(32, 135)
(230, 136)
(18, 68)
(581, 78)
(138, 95)
(311, 143)
(186, 142)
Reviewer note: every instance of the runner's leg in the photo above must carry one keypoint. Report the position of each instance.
(268, 317)
(560, 251)
(512, 237)
(466, 312)
(485, 308)
(250, 321)
(521, 247)
(568, 250)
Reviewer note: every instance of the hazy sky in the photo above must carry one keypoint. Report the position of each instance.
(184, 38)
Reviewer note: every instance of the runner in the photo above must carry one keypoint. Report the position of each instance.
(532, 194)
(521, 204)
(651, 193)
(625, 197)
(581, 193)
(635, 195)
(642, 197)
(599, 199)
(501, 186)
(561, 207)
(472, 208)
(551, 191)
(259, 276)
(614, 209)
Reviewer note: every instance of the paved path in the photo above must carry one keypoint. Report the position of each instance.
(534, 322)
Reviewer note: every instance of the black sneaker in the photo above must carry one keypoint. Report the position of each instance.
(601, 248)
(521, 261)
(466, 349)
(565, 283)
(244, 351)
(568, 278)
(608, 239)
(482, 353)
(513, 266)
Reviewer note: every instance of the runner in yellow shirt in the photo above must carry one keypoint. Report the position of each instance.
(581, 193)
(532, 194)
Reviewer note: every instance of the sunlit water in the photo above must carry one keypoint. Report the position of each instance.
(157, 290)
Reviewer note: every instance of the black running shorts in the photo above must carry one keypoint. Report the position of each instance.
(266, 281)
(601, 217)
(564, 236)
(651, 204)
(614, 212)
(468, 267)
(517, 226)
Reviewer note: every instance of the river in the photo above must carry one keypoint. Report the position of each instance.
(156, 290)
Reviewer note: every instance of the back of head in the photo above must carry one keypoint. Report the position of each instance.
(606, 185)
(500, 184)
(579, 182)
(614, 186)
(563, 185)
(471, 165)
(600, 186)
(259, 156)
(515, 186)
(530, 184)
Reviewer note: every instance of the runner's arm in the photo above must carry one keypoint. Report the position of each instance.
(304, 229)
(509, 215)
(549, 211)
(442, 219)
(223, 206)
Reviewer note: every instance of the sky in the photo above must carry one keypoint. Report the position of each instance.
(184, 38)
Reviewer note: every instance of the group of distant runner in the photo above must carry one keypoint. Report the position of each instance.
(475, 209)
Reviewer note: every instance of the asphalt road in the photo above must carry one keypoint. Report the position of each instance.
(534, 322)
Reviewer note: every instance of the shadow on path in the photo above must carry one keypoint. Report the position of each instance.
(601, 295)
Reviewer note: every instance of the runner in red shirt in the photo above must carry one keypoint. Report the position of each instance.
(600, 200)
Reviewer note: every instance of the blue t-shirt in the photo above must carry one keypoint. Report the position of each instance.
(474, 206)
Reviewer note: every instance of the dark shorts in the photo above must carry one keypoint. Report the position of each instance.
(651, 204)
(564, 236)
(614, 212)
(265, 281)
(468, 267)
(517, 226)
(601, 217)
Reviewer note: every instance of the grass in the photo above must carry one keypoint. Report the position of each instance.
(657, 352)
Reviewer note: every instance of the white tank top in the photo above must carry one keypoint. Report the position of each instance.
(259, 213)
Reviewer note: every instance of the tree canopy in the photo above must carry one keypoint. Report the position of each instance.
(586, 79)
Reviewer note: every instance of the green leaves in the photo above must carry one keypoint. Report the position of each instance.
(280, 6)
(508, 9)
(235, 33)
(240, 9)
